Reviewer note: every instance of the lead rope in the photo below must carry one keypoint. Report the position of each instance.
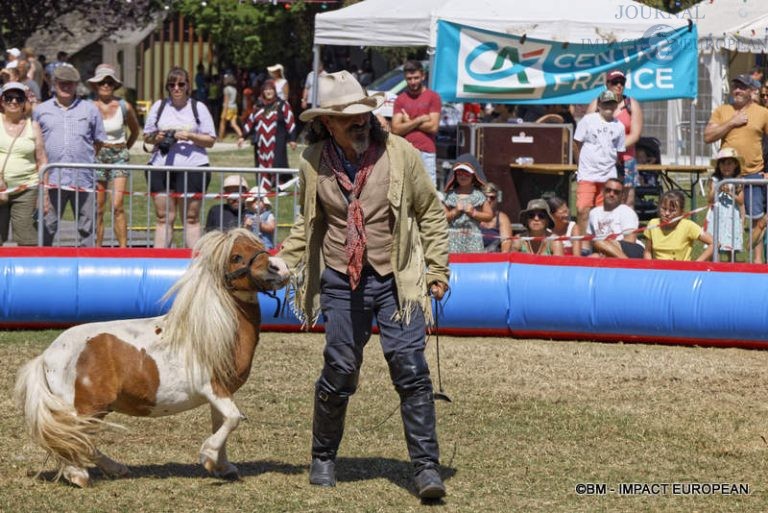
(437, 308)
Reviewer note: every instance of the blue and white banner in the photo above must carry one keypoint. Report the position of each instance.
(479, 65)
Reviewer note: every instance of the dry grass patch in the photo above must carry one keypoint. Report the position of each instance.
(529, 420)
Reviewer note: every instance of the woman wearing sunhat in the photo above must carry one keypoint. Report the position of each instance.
(117, 114)
(22, 155)
(537, 220)
(277, 73)
(466, 206)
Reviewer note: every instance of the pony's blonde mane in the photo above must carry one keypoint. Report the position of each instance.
(201, 325)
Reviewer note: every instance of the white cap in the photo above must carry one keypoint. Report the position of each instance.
(14, 51)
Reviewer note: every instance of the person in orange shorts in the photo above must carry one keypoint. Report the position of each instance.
(598, 138)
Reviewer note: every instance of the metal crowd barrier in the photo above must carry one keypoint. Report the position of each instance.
(139, 207)
(748, 233)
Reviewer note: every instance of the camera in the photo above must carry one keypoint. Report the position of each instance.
(168, 140)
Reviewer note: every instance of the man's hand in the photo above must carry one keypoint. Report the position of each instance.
(739, 119)
(438, 289)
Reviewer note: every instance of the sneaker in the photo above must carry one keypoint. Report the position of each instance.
(429, 485)
(322, 472)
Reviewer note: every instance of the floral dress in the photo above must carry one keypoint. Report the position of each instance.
(464, 233)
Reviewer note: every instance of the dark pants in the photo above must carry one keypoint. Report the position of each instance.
(348, 320)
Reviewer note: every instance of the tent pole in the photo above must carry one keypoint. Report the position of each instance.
(315, 68)
(693, 132)
(431, 53)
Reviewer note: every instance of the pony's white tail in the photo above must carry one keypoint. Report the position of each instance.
(53, 423)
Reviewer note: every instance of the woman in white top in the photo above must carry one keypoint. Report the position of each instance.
(229, 108)
(277, 73)
(117, 114)
(564, 226)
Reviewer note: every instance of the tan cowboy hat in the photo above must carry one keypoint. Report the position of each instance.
(727, 153)
(536, 204)
(276, 67)
(104, 71)
(340, 94)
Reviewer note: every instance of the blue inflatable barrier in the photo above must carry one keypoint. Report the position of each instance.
(499, 295)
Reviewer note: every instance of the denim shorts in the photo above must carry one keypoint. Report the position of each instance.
(754, 197)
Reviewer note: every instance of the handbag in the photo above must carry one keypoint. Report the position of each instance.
(4, 196)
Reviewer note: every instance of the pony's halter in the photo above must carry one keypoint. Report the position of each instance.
(228, 277)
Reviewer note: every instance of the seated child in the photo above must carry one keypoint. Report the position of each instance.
(669, 239)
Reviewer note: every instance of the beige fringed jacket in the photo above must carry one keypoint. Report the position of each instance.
(420, 238)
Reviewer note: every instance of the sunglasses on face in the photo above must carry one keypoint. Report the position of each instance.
(108, 82)
(178, 85)
(14, 98)
(537, 214)
(616, 81)
(608, 190)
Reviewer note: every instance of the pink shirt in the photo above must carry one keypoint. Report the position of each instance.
(625, 118)
(426, 102)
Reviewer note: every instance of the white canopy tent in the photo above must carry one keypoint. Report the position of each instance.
(729, 26)
(414, 23)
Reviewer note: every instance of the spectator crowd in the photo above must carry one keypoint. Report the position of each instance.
(41, 99)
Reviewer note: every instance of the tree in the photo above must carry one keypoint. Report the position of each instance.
(21, 18)
(255, 34)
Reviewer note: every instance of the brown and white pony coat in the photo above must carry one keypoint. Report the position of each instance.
(201, 351)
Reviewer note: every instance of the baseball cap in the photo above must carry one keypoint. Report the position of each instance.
(10, 86)
(66, 73)
(746, 80)
(607, 96)
(14, 52)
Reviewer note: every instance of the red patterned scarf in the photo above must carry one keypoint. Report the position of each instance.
(356, 238)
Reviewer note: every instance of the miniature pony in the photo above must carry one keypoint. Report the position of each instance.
(201, 351)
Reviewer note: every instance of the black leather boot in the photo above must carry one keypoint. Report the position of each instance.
(331, 398)
(419, 421)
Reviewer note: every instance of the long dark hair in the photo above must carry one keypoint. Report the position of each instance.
(317, 132)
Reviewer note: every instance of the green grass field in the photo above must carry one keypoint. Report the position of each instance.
(530, 421)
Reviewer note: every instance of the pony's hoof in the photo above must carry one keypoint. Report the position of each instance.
(227, 471)
(79, 481)
(222, 471)
(77, 477)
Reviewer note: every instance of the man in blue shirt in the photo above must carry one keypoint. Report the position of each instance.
(73, 132)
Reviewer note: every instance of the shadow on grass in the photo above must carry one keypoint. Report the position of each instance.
(398, 472)
(189, 470)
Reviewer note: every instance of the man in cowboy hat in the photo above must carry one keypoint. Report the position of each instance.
(369, 241)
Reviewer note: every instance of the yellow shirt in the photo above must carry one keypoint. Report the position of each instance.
(675, 244)
(21, 166)
(747, 139)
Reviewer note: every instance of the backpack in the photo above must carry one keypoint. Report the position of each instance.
(164, 103)
(160, 113)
